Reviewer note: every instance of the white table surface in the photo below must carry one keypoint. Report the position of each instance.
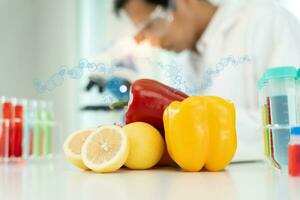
(59, 180)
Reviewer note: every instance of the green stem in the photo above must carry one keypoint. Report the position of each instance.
(120, 104)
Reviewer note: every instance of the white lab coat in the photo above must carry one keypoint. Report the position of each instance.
(269, 36)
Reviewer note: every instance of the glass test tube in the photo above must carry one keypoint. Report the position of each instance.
(26, 129)
(17, 128)
(34, 136)
(4, 140)
(7, 114)
(46, 119)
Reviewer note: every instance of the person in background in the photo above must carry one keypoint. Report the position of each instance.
(264, 33)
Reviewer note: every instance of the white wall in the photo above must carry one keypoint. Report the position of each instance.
(36, 37)
(17, 48)
(57, 39)
(99, 26)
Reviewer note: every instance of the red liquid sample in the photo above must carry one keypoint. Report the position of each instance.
(18, 131)
(31, 141)
(294, 160)
(3, 139)
(7, 115)
(269, 111)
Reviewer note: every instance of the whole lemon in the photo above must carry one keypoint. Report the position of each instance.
(146, 145)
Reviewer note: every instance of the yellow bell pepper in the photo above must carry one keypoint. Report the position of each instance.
(200, 132)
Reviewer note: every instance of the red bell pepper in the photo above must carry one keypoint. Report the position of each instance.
(148, 100)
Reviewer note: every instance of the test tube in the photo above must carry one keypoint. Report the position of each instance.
(26, 129)
(46, 118)
(50, 126)
(2, 133)
(42, 127)
(35, 129)
(4, 139)
(7, 114)
(294, 152)
(17, 128)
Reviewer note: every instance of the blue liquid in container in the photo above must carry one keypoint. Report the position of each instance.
(281, 138)
(283, 109)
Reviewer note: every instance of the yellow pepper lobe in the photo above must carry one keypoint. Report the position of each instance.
(222, 128)
(200, 131)
(186, 130)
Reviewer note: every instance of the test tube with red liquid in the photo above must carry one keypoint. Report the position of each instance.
(4, 136)
(18, 129)
(7, 115)
(294, 152)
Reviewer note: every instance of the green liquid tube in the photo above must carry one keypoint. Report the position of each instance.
(42, 128)
(46, 118)
(36, 131)
(46, 127)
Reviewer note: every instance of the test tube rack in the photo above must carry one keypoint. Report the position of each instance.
(27, 130)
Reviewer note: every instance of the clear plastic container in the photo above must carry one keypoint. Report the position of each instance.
(281, 95)
(280, 137)
(278, 104)
(276, 145)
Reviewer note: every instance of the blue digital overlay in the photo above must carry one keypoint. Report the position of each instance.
(173, 71)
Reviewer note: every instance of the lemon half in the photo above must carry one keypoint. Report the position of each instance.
(72, 147)
(106, 149)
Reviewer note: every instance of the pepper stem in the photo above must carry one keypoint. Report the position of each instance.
(118, 105)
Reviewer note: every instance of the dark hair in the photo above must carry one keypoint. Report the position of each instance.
(120, 4)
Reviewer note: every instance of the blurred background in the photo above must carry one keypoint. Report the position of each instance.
(39, 38)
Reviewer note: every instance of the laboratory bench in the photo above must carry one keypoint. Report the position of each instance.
(56, 179)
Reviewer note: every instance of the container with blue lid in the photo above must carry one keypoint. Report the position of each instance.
(278, 102)
(281, 92)
(295, 130)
